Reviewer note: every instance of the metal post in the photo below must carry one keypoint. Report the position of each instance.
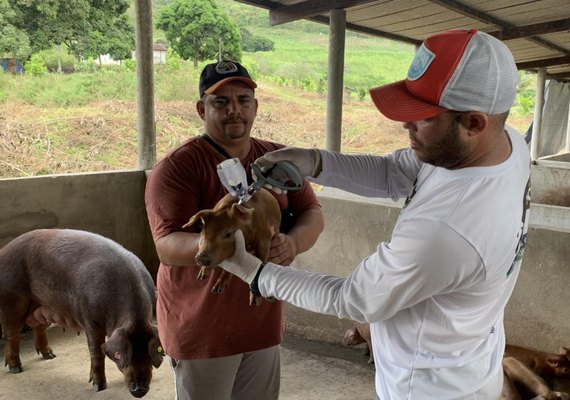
(538, 108)
(146, 124)
(337, 29)
(568, 131)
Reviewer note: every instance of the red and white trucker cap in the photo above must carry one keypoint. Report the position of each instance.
(461, 70)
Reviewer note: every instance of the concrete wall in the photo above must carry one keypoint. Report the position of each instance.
(107, 203)
(551, 183)
(111, 204)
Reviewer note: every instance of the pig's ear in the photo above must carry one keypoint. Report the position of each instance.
(565, 352)
(118, 348)
(242, 213)
(155, 350)
(553, 362)
(200, 216)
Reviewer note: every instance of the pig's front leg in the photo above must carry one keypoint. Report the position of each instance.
(203, 273)
(223, 282)
(97, 373)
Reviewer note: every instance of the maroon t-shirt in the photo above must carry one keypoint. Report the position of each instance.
(192, 321)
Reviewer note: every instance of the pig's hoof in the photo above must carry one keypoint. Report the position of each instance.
(47, 354)
(99, 386)
(217, 289)
(254, 300)
(16, 370)
(202, 275)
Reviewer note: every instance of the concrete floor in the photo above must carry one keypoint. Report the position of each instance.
(310, 371)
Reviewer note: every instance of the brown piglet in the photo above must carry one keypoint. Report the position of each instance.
(546, 365)
(360, 333)
(85, 282)
(521, 383)
(258, 218)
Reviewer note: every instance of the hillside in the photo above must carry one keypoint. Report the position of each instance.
(101, 135)
(87, 121)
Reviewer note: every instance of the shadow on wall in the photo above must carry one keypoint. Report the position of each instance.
(558, 197)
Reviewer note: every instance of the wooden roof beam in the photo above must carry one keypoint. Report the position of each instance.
(488, 19)
(549, 62)
(532, 30)
(308, 9)
(562, 76)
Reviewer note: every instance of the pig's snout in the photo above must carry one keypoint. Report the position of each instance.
(203, 260)
(138, 391)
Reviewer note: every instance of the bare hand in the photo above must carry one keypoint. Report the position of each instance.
(283, 249)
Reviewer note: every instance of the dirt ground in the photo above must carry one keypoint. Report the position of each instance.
(310, 371)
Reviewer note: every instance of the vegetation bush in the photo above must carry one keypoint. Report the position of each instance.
(50, 58)
(35, 66)
(252, 43)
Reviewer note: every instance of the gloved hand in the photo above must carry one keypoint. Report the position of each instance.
(242, 264)
(307, 161)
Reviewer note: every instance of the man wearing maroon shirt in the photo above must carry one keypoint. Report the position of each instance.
(221, 348)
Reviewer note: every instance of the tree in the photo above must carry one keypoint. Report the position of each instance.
(12, 40)
(253, 43)
(117, 40)
(198, 29)
(85, 26)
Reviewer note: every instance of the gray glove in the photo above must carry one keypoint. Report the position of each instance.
(242, 264)
(307, 161)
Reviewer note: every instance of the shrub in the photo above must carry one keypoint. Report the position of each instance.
(87, 66)
(173, 60)
(50, 58)
(129, 64)
(253, 43)
(35, 66)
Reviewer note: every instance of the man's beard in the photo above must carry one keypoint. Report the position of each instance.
(447, 152)
(235, 131)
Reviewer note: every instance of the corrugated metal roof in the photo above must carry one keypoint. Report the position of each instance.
(536, 31)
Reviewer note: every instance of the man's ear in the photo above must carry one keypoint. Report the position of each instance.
(475, 122)
(201, 109)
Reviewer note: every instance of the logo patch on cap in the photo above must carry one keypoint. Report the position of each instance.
(420, 63)
(226, 67)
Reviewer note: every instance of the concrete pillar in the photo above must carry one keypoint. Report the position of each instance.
(568, 131)
(538, 109)
(337, 29)
(146, 124)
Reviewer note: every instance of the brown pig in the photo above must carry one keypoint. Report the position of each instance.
(259, 219)
(519, 380)
(81, 281)
(546, 365)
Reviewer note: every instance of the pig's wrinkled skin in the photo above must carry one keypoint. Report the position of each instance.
(84, 282)
(259, 219)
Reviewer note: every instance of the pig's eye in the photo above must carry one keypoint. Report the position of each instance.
(228, 234)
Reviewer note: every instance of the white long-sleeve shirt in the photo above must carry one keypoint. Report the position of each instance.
(435, 293)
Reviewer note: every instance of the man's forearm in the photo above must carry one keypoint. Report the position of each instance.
(307, 229)
(178, 249)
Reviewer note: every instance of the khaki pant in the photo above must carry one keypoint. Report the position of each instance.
(246, 376)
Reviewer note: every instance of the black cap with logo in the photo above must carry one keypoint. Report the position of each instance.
(218, 74)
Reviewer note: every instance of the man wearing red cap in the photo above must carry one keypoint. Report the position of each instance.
(435, 293)
(221, 348)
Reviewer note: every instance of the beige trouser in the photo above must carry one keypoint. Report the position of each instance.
(246, 376)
